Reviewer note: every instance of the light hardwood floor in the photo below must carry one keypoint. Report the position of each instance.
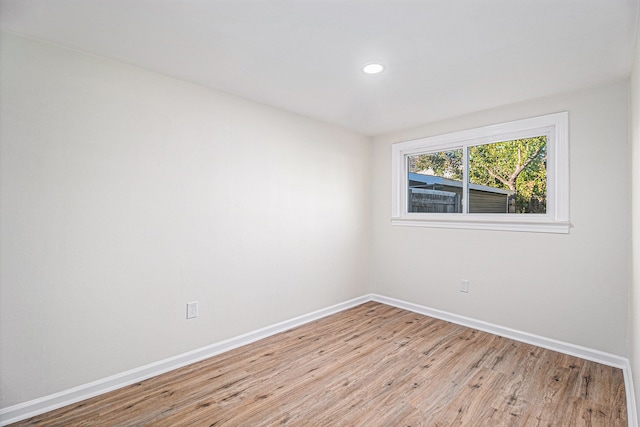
(372, 365)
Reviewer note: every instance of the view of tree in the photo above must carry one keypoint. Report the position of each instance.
(447, 164)
(517, 165)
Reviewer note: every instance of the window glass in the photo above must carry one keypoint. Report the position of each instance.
(435, 182)
(508, 176)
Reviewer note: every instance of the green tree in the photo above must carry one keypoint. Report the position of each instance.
(447, 164)
(517, 165)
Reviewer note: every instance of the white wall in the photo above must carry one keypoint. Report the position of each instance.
(572, 287)
(126, 194)
(634, 329)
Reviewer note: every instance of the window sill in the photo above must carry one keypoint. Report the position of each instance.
(556, 227)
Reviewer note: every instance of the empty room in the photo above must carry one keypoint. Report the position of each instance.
(319, 213)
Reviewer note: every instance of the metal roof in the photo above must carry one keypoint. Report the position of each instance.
(432, 179)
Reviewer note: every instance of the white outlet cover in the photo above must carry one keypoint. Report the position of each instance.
(192, 309)
(464, 286)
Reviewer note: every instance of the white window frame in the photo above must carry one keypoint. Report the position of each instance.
(555, 220)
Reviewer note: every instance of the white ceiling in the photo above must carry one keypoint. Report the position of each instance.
(443, 57)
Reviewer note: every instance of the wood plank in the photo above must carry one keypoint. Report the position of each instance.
(372, 365)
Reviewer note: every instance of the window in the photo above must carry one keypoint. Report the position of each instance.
(511, 176)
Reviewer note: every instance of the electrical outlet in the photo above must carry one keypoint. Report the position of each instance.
(192, 309)
(464, 286)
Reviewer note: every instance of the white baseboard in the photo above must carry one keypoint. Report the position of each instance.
(632, 410)
(548, 343)
(38, 406)
(54, 401)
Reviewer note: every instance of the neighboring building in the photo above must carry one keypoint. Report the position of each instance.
(428, 193)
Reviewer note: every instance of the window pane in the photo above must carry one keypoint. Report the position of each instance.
(509, 176)
(435, 182)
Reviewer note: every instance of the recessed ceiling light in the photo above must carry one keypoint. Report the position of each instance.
(373, 68)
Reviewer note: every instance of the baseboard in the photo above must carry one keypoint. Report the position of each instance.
(539, 341)
(48, 403)
(54, 401)
(632, 409)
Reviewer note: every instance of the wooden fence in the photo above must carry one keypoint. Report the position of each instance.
(423, 200)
